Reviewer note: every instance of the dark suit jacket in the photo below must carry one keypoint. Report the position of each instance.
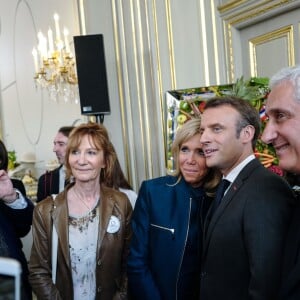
(48, 184)
(14, 224)
(244, 240)
(19, 185)
(290, 288)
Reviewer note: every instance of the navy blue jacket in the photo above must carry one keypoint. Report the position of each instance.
(160, 226)
(14, 224)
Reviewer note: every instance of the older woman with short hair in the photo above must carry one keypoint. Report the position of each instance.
(92, 223)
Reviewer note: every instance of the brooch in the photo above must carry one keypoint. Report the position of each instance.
(113, 225)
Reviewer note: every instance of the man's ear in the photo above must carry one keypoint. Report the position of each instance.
(248, 133)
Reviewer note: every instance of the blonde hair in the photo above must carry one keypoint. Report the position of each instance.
(183, 134)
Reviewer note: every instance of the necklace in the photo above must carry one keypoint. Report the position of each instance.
(84, 202)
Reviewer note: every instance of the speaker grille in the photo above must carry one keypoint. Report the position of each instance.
(91, 73)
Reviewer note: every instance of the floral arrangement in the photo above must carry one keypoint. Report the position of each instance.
(189, 103)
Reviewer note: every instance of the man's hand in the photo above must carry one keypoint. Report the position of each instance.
(7, 192)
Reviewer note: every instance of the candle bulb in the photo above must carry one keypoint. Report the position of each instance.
(41, 48)
(40, 38)
(67, 45)
(54, 63)
(57, 30)
(60, 50)
(44, 51)
(35, 59)
(50, 40)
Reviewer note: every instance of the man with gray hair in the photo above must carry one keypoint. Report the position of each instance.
(282, 131)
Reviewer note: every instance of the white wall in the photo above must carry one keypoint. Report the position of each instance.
(153, 47)
(29, 118)
(150, 46)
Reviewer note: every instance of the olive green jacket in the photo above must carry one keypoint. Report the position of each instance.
(112, 248)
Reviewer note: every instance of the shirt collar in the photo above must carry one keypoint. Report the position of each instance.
(231, 176)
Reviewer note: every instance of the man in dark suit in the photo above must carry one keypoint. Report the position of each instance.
(245, 234)
(15, 221)
(53, 182)
(282, 130)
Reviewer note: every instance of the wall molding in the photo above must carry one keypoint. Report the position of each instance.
(237, 15)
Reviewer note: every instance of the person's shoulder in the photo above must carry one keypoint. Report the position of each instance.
(113, 196)
(49, 172)
(109, 192)
(161, 181)
(131, 194)
(268, 174)
(256, 169)
(19, 185)
(45, 205)
(128, 192)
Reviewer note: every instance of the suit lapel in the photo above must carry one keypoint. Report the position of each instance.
(105, 208)
(229, 196)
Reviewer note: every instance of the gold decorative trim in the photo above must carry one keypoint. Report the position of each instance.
(159, 76)
(230, 5)
(215, 42)
(256, 11)
(141, 84)
(171, 44)
(82, 23)
(239, 17)
(121, 88)
(204, 41)
(286, 31)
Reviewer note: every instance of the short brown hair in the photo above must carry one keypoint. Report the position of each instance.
(66, 130)
(99, 135)
(248, 114)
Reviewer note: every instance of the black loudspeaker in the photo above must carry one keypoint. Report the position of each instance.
(91, 73)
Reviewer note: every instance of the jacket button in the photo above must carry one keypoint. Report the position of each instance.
(99, 289)
(99, 262)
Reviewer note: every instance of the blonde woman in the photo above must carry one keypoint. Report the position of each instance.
(164, 260)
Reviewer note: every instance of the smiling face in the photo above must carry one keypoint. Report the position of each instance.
(60, 147)
(191, 160)
(282, 129)
(224, 149)
(86, 161)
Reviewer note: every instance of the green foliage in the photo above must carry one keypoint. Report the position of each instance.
(12, 159)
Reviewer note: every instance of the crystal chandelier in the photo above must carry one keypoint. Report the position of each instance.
(54, 65)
